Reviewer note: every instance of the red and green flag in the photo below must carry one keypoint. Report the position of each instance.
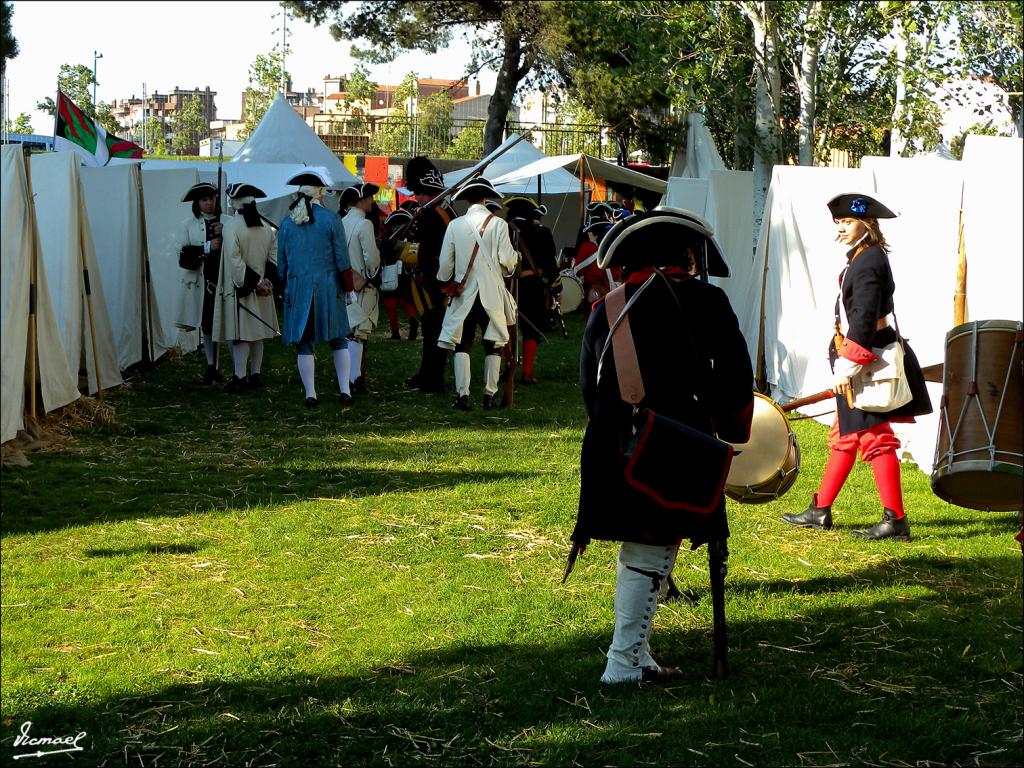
(82, 134)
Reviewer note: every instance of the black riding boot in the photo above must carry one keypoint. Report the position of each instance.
(889, 527)
(818, 518)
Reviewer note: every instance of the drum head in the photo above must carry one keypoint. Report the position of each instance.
(572, 293)
(763, 455)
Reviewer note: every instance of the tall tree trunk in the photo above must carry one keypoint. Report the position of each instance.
(899, 111)
(808, 83)
(504, 90)
(766, 101)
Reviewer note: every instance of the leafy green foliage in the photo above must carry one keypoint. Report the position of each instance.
(75, 80)
(21, 124)
(469, 143)
(241, 580)
(265, 76)
(992, 42)
(189, 127)
(8, 42)
(156, 135)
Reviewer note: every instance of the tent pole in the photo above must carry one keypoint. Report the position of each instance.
(960, 295)
(88, 302)
(33, 250)
(146, 278)
(579, 167)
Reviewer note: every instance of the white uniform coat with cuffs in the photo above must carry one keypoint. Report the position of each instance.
(495, 259)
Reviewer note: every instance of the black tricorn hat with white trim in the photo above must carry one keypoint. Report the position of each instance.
(357, 192)
(199, 191)
(242, 189)
(493, 206)
(477, 188)
(853, 205)
(663, 237)
(309, 177)
(398, 217)
(422, 176)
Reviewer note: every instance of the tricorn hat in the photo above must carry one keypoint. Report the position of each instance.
(493, 206)
(662, 237)
(199, 191)
(520, 205)
(356, 192)
(540, 211)
(396, 218)
(422, 177)
(599, 208)
(477, 187)
(599, 228)
(241, 189)
(311, 177)
(853, 205)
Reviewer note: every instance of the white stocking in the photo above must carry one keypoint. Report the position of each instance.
(210, 348)
(492, 367)
(462, 375)
(306, 370)
(342, 366)
(256, 356)
(240, 356)
(355, 352)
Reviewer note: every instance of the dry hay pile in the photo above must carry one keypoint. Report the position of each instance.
(54, 429)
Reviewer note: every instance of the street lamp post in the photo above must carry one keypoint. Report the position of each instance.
(95, 56)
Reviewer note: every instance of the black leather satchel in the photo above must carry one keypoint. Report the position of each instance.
(191, 257)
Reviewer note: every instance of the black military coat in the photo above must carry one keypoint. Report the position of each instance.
(867, 296)
(718, 371)
(428, 230)
(533, 288)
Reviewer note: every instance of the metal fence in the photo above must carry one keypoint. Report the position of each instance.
(459, 139)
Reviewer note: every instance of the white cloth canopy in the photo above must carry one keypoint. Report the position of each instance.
(592, 166)
(19, 247)
(701, 153)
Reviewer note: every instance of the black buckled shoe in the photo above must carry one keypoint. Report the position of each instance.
(254, 381)
(311, 402)
(818, 518)
(488, 402)
(359, 387)
(660, 676)
(212, 375)
(345, 399)
(889, 527)
(235, 386)
(462, 403)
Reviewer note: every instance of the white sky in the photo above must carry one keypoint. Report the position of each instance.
(159, 43)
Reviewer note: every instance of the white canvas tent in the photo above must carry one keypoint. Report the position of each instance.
(114, 205)
(18, 251)
(72, 273)
(284, 137)
(593, 167)
(801, 261)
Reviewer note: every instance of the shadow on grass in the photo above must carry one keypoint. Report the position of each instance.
(185, 492)
(814, 689)
(145, 549)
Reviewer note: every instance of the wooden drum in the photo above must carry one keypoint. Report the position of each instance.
(766, 466)
(979, 454)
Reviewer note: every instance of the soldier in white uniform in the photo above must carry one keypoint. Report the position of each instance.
(245, 313)
(199, 244)
(365, 258)
(477, 289)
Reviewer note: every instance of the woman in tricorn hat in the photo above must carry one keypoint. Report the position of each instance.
(865, 321)
(695, 369)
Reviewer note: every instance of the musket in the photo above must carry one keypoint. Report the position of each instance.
(508, 394)
(476, 170)
(931, 373)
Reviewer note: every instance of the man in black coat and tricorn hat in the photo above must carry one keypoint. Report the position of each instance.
(693, 363)
(199, 245)
(424, 180)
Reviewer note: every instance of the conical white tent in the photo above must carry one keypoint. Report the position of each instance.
(18, 251)
(284, 137)
(72, 272)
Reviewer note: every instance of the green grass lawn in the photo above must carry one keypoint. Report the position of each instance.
(242, 581)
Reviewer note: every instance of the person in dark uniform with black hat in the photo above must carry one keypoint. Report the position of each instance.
(426, 182)
(539, 271)
(695, 368)
(199, 246)
(865, 321)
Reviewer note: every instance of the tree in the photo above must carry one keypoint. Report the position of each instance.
(358, 101)
(434, 124)
(189, 126)
(8, 42)
(22, 124)
(508, 34)
(992, 44)
(265, 76)
(156, 135)
(469, 144)
(395, 133)
(105, 117)
(75, 80)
